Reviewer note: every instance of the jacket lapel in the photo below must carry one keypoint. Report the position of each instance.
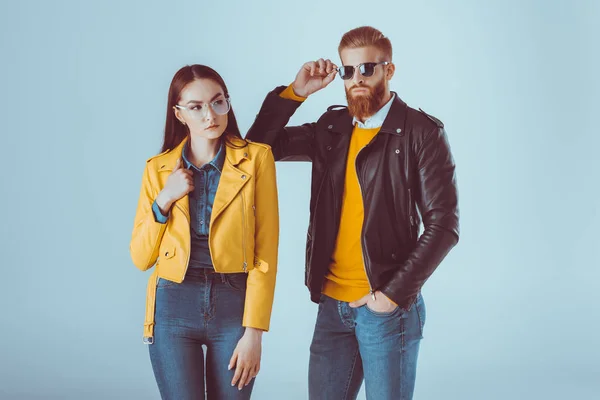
(166, 165)
(232, 180)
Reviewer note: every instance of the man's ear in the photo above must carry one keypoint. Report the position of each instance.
(389, 71)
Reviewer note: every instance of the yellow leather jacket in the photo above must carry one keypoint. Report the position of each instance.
(244, 229)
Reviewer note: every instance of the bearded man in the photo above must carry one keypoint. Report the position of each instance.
(379, 169)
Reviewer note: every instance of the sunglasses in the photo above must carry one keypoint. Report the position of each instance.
(366, 69)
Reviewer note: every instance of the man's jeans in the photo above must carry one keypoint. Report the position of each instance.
(349, 344)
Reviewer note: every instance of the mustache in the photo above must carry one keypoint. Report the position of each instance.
(359, 86)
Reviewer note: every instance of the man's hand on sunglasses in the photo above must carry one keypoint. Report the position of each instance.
(314, 76)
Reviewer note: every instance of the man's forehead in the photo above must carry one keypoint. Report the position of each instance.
(355, 56)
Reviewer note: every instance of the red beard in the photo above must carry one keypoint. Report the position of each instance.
(363, 106)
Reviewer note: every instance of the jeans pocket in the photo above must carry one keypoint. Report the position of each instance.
(421, 312)
(236, 281)
(164, 283)
(395, 311)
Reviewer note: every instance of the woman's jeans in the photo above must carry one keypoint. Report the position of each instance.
(205, 309)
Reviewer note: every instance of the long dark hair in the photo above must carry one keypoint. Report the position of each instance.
(175, 131)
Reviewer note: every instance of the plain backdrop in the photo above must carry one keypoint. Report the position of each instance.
(512, 311)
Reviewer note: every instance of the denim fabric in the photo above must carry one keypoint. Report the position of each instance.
(352, 344)
(202, 198)
(205, 309)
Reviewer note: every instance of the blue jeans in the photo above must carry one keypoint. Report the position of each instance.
(205, 309)
(350, 344)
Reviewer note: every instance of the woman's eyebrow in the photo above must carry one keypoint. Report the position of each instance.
(201, 102)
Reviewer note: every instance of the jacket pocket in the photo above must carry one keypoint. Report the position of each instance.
(261, 265)
(309, 241)
(411, 217)
(167, 252)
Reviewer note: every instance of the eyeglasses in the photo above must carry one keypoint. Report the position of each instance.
(221, 106)
(366, 69)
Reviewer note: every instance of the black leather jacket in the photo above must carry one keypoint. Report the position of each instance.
(405, 173)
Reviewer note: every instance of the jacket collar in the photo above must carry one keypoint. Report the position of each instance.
(396, 119)
(234, 155)
(234, 178)
(217, 162)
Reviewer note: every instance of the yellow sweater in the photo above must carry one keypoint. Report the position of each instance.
(347, 278)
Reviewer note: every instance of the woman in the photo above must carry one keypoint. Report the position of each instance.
(207, 218)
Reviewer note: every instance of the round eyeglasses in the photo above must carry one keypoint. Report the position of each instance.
(220, 106)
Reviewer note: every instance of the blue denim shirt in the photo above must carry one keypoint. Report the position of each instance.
(206, 182)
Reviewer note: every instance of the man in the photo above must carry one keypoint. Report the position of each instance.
(378, 166)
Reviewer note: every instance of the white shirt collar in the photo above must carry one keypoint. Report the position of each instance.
(376, 120)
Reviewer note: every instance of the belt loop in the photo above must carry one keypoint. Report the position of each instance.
(222, 278)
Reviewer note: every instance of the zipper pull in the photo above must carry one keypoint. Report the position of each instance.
(245, 266)
(412, 220)
(373, 295)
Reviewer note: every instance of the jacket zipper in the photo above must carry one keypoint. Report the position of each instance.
(410, 213)
(187, 264)
(314, 213)
(335, 205)
(245, 264)
(362, 247)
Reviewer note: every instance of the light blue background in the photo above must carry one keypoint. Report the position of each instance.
(512, 312)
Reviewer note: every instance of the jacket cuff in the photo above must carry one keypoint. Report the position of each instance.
(158, 215)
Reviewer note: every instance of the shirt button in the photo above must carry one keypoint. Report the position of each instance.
(397, 151)
(167, 254)
(202, 222)
(328, 148)
(330, 127)
(243, 176)
(398, 130)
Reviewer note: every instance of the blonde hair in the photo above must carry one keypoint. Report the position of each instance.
(366, 36)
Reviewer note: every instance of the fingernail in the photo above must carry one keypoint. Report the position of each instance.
(229, 366)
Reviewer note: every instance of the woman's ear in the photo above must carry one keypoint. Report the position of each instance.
(178, 115)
